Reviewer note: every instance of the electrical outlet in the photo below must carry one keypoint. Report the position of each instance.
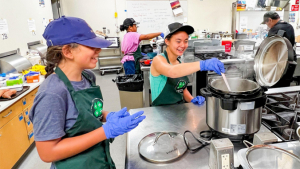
(225, 161)
(118, 29)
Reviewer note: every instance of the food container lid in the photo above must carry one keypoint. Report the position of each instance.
(162, 147)
(271, 61)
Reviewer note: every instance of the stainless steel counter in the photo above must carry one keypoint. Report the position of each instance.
(146, 95)
(177, 118)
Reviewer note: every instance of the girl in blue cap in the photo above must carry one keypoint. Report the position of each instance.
(130, 46)
(67, 113)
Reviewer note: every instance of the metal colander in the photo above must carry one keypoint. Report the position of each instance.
(270, 157)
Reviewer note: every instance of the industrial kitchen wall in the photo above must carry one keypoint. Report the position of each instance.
(17, 12)
(202, 14)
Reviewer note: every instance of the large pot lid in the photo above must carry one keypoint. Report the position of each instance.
(271, 60)
(161, 147)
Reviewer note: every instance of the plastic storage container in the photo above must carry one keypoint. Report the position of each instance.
(11, 81)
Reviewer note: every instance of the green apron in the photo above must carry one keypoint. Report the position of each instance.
(89, 103)
(172, 93)
(137, 56)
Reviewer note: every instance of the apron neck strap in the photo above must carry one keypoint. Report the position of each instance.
(166, 54)
(89, 78)
(67, 82)
(64, 78)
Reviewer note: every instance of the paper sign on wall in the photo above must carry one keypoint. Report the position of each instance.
(176, 8)
(297, 2)
(42, 3)
(45, 22)
(295, 8)
(3, 29)
(243, 24)
(31, 26)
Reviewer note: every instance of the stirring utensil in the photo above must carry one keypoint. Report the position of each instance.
(226, 82)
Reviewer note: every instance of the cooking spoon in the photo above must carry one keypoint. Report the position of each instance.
(226, 82)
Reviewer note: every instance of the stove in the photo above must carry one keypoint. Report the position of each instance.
(219, 55)
(281, 115)
(208, 52)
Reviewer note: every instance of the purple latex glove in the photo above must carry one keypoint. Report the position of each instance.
(212, 65)
(198, 100)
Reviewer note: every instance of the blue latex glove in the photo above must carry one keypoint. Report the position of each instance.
(111, 113)
(198, 100)
(212, 65)
(118, 123)
(162, 35)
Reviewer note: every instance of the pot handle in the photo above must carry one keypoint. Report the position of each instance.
(205, 92)
(162, 133)
(247, 143)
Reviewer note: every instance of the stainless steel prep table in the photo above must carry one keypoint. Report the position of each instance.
(177, 118)
(146, 73)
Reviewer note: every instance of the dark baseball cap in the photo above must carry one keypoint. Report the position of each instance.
(66, 30)
(176, 27)
(129, 21)
(270, 14)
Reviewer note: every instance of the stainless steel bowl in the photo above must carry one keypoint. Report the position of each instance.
(237, 85)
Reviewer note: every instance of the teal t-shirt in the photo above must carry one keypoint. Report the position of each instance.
(157, 83)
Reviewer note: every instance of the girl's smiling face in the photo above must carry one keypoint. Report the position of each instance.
(86, 57)
(178, 43)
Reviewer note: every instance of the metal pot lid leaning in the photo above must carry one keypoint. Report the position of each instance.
(267, 156)
(159, 147)
(271, 60)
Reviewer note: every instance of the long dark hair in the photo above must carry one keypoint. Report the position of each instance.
(54, 56)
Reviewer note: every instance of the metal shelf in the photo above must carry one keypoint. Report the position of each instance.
(110, 62)
(110, 67)
(110, 48)
(109, 57)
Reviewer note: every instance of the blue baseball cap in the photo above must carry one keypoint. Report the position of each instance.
(66, 30)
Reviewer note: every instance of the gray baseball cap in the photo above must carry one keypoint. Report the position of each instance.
(270, 14)
(176, 27)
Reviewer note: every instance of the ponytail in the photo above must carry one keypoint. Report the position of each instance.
(54, 56)
(122, 28)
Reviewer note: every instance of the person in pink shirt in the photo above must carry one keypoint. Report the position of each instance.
(130, 46)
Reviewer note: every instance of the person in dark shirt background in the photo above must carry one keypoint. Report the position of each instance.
(273, 21)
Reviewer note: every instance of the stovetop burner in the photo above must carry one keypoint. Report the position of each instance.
(281, 115)
(220, 55)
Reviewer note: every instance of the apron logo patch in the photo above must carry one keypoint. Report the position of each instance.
(97, 107)
(180, 86)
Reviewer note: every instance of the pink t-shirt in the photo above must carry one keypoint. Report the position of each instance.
(130, 44)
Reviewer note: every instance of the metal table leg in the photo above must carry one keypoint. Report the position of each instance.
(194, 92)
(146, 89)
